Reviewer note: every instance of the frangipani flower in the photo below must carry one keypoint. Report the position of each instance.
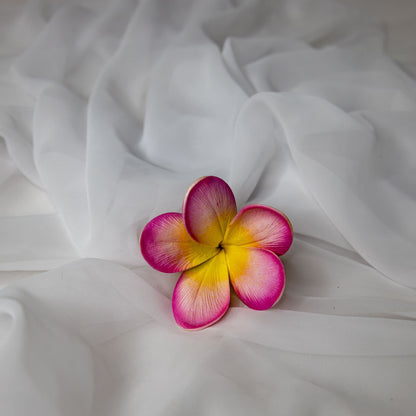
(213, 245)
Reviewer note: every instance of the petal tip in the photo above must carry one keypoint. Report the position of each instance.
(208, 207)
(257, 276)
(268, 304)
(202, 295)
(167, 247)
(147, 242)
(261, 226)
(192, 327)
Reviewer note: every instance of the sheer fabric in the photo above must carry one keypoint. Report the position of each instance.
(110, 110)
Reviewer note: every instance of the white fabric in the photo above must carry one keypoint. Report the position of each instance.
(109, 110)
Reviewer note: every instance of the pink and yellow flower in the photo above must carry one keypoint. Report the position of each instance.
(213, 245)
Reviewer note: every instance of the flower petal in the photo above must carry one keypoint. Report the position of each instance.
(262, 227)
(167, 247)
(257, 276)
(208, 208)
(202, 294)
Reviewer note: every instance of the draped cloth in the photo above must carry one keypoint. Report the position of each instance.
(109, 110)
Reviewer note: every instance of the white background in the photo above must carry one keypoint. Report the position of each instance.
(110, 110)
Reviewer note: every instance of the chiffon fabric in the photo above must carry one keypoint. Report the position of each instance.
(109, 110)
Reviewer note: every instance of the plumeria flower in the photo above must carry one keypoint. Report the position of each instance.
(213, 245)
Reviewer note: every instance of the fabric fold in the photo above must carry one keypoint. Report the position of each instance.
(109, 110)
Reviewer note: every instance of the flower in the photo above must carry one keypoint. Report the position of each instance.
(213, 245)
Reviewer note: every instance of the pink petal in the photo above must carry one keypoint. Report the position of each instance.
(208, 208)
(167, 247)
(262, 227)
(257, 276)
(202, 294)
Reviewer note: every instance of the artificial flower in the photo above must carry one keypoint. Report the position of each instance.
(213, 245)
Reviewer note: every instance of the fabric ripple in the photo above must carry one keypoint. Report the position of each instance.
(110, 110)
